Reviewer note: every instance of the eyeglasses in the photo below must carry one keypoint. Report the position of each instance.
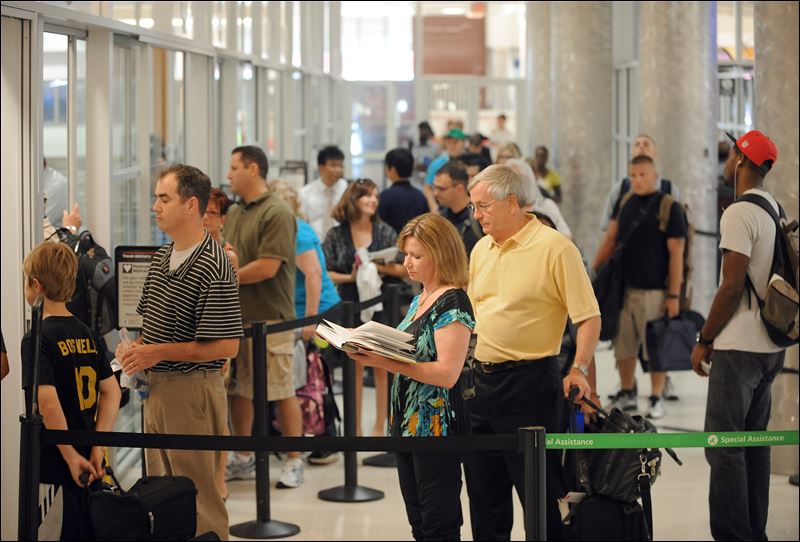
(482, 207)
(437, 188)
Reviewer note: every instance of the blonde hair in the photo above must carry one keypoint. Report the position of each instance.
(442, 241)
(503, 181)
(284, 190)
(512, 148)
(55, 266)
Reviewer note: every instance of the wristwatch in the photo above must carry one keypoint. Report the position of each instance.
(583, 369)
(73, 229)
(704, 342)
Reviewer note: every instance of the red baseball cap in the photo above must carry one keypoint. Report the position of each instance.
(757, 147)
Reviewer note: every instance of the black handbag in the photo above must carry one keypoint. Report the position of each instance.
(670, 341)
(609, 288)
(155, 508)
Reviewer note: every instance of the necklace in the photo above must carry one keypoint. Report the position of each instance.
(423, 300)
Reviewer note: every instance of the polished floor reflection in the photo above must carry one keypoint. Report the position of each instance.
(679, 496)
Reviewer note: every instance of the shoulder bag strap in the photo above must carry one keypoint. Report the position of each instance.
(647, 502)
(762, 202)
(642, 214)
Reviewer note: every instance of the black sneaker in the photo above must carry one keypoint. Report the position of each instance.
(616, 393)
(323, 458)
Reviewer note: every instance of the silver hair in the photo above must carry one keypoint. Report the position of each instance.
(523, 168)
(504, 181)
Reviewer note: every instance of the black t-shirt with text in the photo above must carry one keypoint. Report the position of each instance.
(70, 361)
(645, 262)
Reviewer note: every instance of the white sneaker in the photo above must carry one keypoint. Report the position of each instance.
(656, 409)
(625, 400)
(291, 474)
(241, 468)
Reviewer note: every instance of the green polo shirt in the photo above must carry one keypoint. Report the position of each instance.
(265, 228)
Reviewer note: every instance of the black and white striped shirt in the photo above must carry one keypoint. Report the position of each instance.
(198, 301)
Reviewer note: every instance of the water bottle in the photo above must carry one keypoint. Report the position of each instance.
(579, 421)
(137, 381)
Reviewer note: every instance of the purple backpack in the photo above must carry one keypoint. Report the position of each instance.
(311, 396)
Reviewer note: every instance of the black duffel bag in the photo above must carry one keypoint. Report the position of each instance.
(155, 508)
(609, 291)
(670, 341)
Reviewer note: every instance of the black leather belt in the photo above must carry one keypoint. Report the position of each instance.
(487, 368)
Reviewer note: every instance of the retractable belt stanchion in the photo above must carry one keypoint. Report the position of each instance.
(30, 443)
(388, 459)
(532, 442)
(350, 491)
(263, 526)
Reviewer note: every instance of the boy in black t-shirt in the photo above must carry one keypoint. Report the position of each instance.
(77, 388)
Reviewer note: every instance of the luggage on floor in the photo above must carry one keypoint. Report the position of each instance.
(155, 508)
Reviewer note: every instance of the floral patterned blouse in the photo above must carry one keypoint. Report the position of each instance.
(425, 410)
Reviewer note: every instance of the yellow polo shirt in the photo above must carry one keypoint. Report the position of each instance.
(522, 291)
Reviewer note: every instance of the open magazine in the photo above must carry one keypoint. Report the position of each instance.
(381, 339)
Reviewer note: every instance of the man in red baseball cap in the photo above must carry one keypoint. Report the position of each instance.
(734, 348)
(758, 148)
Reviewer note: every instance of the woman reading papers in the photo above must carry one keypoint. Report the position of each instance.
(426, 398)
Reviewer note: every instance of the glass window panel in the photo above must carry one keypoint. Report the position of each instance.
(505, 38)
(494, 100)
(297, 118)
(219, 22)
(284, 32)
(80, 121)
(244, 27)
(297, 33)
(326, 36)
(448, 103)
(246, 107)
(369, 116)
(55, 141)
(182, 19)
(274, 108)
(377, 41)
(266, 31)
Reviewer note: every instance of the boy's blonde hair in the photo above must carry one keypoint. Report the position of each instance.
(55, 266)
(443, 243)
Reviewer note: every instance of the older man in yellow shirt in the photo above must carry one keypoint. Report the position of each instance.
(524, 280)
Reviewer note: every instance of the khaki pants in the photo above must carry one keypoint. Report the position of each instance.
(280, 363)
(192, 403)
(639, 307)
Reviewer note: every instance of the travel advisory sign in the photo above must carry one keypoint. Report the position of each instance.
(132, 263)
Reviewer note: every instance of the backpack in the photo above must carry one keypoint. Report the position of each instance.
(95, 299)
(780, 306)
(315, 401)
(664, 209)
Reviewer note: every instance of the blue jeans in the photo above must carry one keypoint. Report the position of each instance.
(739, 399)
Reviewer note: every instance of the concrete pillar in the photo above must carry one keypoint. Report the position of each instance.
(777, 116)
(581, 38)
(540, 65)
(677, 67)
(776, 91)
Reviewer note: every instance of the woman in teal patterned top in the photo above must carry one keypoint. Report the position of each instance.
(426, 396)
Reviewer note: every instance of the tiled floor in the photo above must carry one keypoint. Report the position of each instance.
(679, 495)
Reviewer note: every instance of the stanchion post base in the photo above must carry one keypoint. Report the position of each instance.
(263, 530)
(350, 494)
(385, 460)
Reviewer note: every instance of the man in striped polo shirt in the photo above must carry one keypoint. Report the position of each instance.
(192, 324)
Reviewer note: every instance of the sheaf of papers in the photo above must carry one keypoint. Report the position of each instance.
(381, 339)
(387, 255)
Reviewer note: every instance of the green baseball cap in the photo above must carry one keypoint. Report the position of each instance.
(456, 133)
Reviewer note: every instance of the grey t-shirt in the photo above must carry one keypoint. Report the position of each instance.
(747, 229)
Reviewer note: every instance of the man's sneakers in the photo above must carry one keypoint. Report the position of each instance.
(241, 468)
(625, 400)
(323, 458)
(669, 390)
(616, 393)
(291, 474)
(656, 409)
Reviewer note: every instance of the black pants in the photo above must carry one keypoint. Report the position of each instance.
(431, 488)
(76, 523)
(740, 399)
(504, 401)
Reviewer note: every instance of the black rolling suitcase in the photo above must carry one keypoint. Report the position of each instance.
(155, 508)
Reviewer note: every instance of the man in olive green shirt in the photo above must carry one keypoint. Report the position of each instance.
(262, 231)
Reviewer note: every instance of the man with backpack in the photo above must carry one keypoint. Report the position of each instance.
(740, 338)
(643, 145)
(651, 226)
